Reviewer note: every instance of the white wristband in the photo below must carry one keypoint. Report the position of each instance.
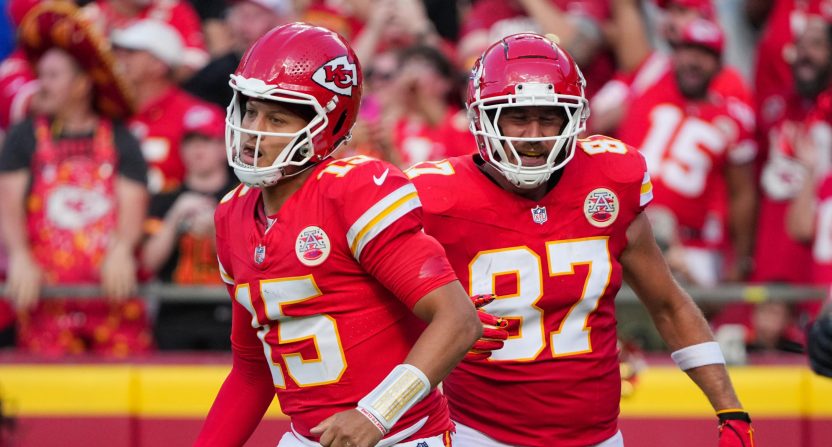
(403, 388)
(702, 354)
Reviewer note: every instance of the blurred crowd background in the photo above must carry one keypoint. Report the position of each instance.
(113, 157)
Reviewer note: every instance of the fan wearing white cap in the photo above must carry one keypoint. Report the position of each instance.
(147, 52)
(113, 15)
(158, 38)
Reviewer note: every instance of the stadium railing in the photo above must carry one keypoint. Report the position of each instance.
(723, 293)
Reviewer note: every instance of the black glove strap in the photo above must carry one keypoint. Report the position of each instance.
(734, 416)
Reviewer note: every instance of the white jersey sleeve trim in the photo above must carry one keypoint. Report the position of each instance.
(380, 216)
(646, 190)
(226, 278)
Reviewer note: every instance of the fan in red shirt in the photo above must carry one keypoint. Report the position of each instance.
(17, 79)
(552, 225)
(148, 51)
(808, 213)
(327, 266)
(695, 147)
(779, 257)
(773, 75)
(641, 66)
(112, 15)
(810, 219)
(429, 124)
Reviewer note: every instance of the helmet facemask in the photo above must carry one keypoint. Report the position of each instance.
(299, 151)
(500, 150)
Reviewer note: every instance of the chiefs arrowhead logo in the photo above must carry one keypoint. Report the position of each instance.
(338, 75)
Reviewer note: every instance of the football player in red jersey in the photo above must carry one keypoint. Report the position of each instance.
(329, 271)
(552, 225)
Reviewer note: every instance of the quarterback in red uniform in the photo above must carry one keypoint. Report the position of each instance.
(329, 272)
(552, 225)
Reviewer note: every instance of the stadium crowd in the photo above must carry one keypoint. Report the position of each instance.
(112, 118)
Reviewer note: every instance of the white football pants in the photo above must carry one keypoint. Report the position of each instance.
(469, 437)
(291, 439)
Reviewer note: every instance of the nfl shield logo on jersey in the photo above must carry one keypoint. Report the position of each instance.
(539, 215)
(422, 444)
(259, 254)
(601, 207)
(312, 246)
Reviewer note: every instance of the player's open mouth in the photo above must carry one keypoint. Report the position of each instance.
(247, 155)
(531, 153)
(531, 158)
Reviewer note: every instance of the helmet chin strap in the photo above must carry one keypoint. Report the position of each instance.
(265, 181)
(258, 180)
(526, 181)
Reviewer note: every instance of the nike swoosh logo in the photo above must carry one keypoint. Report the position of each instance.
(380, 180)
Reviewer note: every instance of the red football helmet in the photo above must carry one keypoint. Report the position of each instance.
(519, 71)
(297, 64)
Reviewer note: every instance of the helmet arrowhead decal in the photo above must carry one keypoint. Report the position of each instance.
(338, 75)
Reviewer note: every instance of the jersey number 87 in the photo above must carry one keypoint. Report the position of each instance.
(572, 337)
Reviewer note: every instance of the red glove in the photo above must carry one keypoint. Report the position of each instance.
(493, 331)
(735, 429)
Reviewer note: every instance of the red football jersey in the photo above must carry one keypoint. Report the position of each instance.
(17, 85)
(160, 125)
(728, 82)
(329, 288)
(625, 87)
(417, 141)
(687, 146)
(773, 78)
(778, 257)
(554, 266)
(822, 244)
(819, 124)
